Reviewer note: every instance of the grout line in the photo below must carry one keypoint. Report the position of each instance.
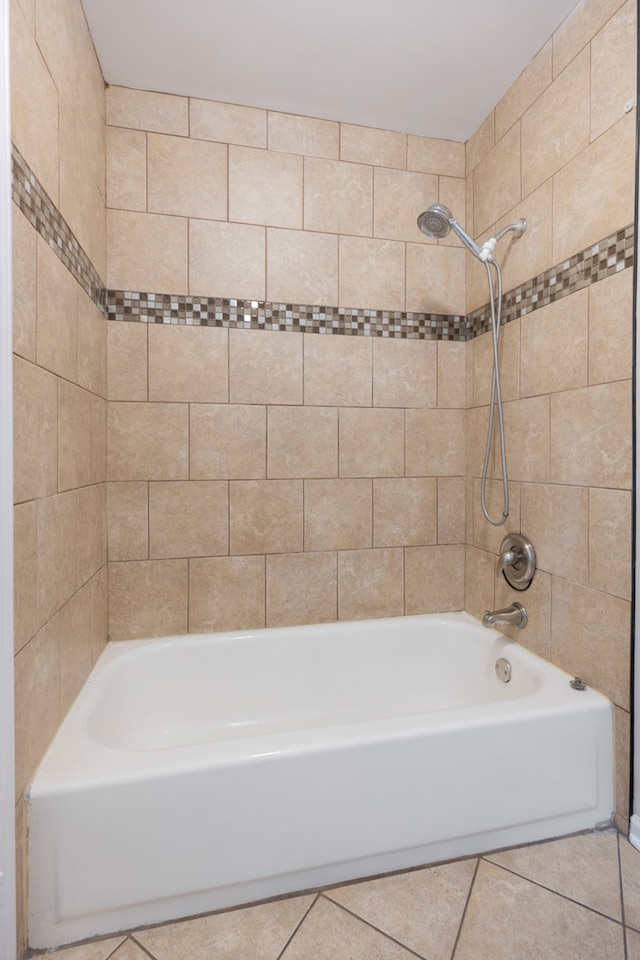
(372, 926)
(466, 907)
(298, 925)
(140, 946)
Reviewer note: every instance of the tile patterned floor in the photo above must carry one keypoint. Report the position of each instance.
(572, 899)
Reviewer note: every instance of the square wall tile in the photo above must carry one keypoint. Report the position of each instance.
(37, 691)
(74, 626)
(188, 364)
(337, 370)
(226, 593)
(143, 110)
(537, 602)
(57, 315)
(404, 512)
(25, 585)
(435, 443)
(302, 442)
(582, 24)
(526, 425)
(302, 588)
(338, 197)
(371, 442)
(146, 252)
(613, 68)
(128, 520)
(148, 441)
(610, 534)
(186, 178)
(384, 148)
(556, 519)
(435, 279)
(302, 267)
(479, 581)
(227, 260)
(24, 274)
(497, 186)
(452, 373)
(57, 559)
(227, 442)
(530, 85)
(92, 346)
(337, 514)
(404, 372)
(127, 363)
(147, 598)
(265, 188)
(289, 133)
(74, 435)
(188, 519)
(451, 509)
(265, 516)
(554, 346)
(126, 169)
(428, 155)
(371, 273)
(228, 123)
(399, 196)
(35, 429)
(370, 584)
(610, 328)
(265, 367)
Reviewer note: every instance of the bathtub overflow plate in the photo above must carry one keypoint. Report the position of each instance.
(503, 669)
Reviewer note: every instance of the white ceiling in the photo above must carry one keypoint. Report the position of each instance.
(429, 67)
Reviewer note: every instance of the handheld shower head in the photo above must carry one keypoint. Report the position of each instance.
(437, 221)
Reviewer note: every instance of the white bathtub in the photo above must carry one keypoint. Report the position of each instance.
(198, 772)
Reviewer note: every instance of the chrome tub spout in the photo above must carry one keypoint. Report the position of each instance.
(514, 615)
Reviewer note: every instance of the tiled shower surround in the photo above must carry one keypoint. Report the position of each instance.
(301, 437)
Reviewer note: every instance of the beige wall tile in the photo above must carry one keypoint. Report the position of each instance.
(57, 562)
(404, 512)
(92, 530)
(293, 134)
(486, 536)
(531, 83)
(92, 346)
(370, 584)
(126, 169)
(435, 279)
(452, 192)
(435, 443)
(36, 670)
(613, 68)
(338, 370)
(228, 123)
(302, 588)
(338, 197)
(509, 362)
(435, 156)
(556, 127)
(451, 509)
(480, 143)
(35, 450)
(148, 441)
(452, 357)
(142, 110)
(497, 186)
(98, 439)
(146, 252)
(34, 104)
(610, 528)
(227, 260)
(302, 267)
(186, 178)
(147, 598)
(404, 373)
(265, 516)
(384, 148)
(577, 220)
(188, 364)
(584, 623)
(479, 582)
(188, 519)
(74, 436)
(556, 519)
(371, 442)
(265, 188)
(594, 423)
(57, 315)
(302, 442)
(127, 361)
(265, 367)
(537, 602)
(578, 28)
(434, 579)
(371, 273)
(610, 328)
(477, 426)
(622, 738)
(226, 593)
(337, 514)
(24, 302)
(526, 425)
(25, 586)
(227, 442)
(74, 628)
(398, 199)
(128, 520)
(554, 346)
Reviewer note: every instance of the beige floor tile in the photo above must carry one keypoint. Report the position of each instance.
(509, 918)
(584, 868)
(633, 945)
(421, 909)
(99, 950)
(129, 951)
(630, 864)
(259, 933)
(329, 933)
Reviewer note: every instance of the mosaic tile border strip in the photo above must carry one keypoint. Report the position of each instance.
(598, 261)
(41, 212)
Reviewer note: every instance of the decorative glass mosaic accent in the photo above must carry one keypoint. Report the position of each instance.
(31, 197)
(598, 261)
(264, 315)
